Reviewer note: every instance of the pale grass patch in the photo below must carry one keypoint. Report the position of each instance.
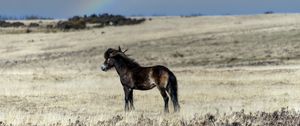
(94, 98)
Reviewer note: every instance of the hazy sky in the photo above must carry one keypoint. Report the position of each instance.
(67, 8)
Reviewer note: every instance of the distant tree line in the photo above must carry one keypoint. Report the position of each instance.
(101, 20)
(30, 17)
(75, 22)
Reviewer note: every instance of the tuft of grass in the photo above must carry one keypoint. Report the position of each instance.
(283, 117)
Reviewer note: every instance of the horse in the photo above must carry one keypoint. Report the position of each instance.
(133, 76)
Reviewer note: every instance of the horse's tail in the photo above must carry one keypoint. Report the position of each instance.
(172, 89)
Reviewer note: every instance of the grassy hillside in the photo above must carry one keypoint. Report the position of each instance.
(223, 64)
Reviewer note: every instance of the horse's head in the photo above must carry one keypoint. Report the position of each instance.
(110, 55)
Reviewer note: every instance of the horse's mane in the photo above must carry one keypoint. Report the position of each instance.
(129, 61)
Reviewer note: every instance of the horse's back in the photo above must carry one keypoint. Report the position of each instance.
(160, 69)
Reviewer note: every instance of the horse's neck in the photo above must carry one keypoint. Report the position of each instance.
(122, 68)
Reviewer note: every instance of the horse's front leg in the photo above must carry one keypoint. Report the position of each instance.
(131, 99)
(127, 94)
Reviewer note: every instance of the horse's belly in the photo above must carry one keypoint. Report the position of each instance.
(145, 86)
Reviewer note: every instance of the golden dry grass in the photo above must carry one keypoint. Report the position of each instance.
(223, 64)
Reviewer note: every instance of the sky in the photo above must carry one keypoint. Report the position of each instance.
(68, 8)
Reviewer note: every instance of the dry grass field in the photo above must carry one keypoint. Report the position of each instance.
(224, 64)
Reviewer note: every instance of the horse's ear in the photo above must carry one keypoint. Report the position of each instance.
(120, 50)
(125, 50)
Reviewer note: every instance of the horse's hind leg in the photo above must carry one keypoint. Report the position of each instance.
(174, 100)
(165, 96)
(172, 90)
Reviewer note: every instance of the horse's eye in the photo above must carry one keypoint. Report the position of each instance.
(108, 60)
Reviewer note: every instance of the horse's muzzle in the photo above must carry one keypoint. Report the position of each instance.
(104, 67)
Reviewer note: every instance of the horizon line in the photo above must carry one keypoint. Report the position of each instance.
(24, 17)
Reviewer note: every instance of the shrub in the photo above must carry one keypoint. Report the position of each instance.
(13, 24)
(67, 25)
(33, 25)
(269, 12)
(17, 24)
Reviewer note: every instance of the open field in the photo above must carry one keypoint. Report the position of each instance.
(223, 64)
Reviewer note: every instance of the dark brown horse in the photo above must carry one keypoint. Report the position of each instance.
(135, 77)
